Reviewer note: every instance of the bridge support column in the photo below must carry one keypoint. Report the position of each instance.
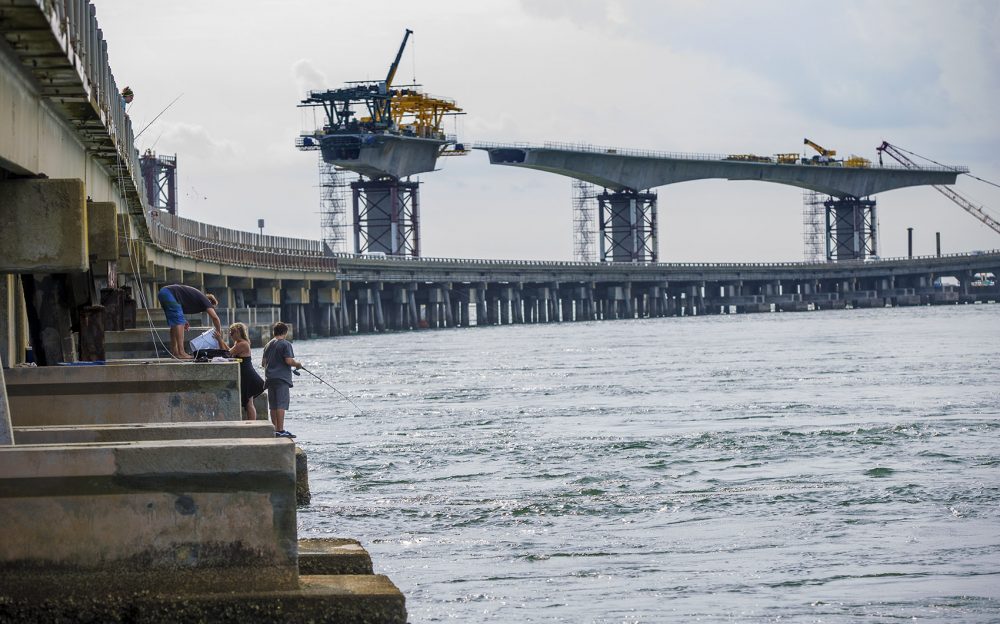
(517, 303)
(627, 302)
(505, 298)
(850, 228)
(627, 226)
(386, 217)
(413, 312)
(482, 307)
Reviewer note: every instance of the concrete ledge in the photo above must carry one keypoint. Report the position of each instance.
(333, 555)
(347, 599)
(139, 343)
(166, 516)
(76, 434)
(133, 393)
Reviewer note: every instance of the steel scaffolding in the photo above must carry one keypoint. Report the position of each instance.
(584, 205)
(333, 188)
(814, 226)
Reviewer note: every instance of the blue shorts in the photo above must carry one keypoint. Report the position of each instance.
(171, 309)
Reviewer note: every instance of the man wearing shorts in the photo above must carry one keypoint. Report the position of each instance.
(178, 300)
(279, 359)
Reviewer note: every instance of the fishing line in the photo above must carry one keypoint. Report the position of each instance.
(346, 398)
(136, 137)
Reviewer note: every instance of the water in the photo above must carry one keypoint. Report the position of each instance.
(811, 467)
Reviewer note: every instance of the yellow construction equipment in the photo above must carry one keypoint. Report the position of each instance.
(418, 114)
(825, 156)
(857, 161)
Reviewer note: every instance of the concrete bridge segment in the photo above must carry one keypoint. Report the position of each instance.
(631, 170)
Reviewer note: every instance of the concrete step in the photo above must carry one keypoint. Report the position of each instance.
(120, 394)
(142, 432)
(333, 555)
(140, 344)
(343, 599)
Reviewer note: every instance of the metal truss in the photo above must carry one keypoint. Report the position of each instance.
(159, 173)
(851, 229)
(386, 217)
(627, 227)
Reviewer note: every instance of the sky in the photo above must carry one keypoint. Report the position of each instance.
(706, 76)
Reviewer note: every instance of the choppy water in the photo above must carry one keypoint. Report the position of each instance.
(811, 467)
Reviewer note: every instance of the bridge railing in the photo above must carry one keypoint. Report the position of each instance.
(201, 241)
(66, 34)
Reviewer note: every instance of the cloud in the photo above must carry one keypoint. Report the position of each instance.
(195, 142)
(308, 77)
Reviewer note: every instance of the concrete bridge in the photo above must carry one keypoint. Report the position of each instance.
(635, 170)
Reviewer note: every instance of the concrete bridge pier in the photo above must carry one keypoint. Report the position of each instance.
(566, 307)
(627, 302)
(413, 312)
(482, 307)
(506, 296)
(492, 306)
(517, 304)
(366, 297)
(395, 309)
(449, 312)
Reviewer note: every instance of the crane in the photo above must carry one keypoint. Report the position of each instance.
(395, 63)
(897, 153)
(824, 154)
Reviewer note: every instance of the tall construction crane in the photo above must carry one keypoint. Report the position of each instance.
(898, 154)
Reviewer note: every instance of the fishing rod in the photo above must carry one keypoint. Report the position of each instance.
(321, 380)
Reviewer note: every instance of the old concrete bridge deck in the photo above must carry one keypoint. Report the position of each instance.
(327, 294)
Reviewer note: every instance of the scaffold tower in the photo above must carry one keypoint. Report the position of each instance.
(334, 187)
(814, 226)
(584, 207)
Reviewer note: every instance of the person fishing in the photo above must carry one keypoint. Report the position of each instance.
(251, 385)
(278, 361)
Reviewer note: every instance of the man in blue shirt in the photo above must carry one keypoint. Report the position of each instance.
(278, 361)
(178, 300)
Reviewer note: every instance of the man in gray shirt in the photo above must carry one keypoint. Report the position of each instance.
(279, 359)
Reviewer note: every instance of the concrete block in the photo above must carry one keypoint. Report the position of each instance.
(165, 516)
(268, 296)
(102, 230)
(340, 599)
(294, 295)
(78, 434)
(333, 555)
(329, 295)
(302, 494)
(119, 394)
(44, 226)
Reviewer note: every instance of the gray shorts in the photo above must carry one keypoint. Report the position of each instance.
(277, 395)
